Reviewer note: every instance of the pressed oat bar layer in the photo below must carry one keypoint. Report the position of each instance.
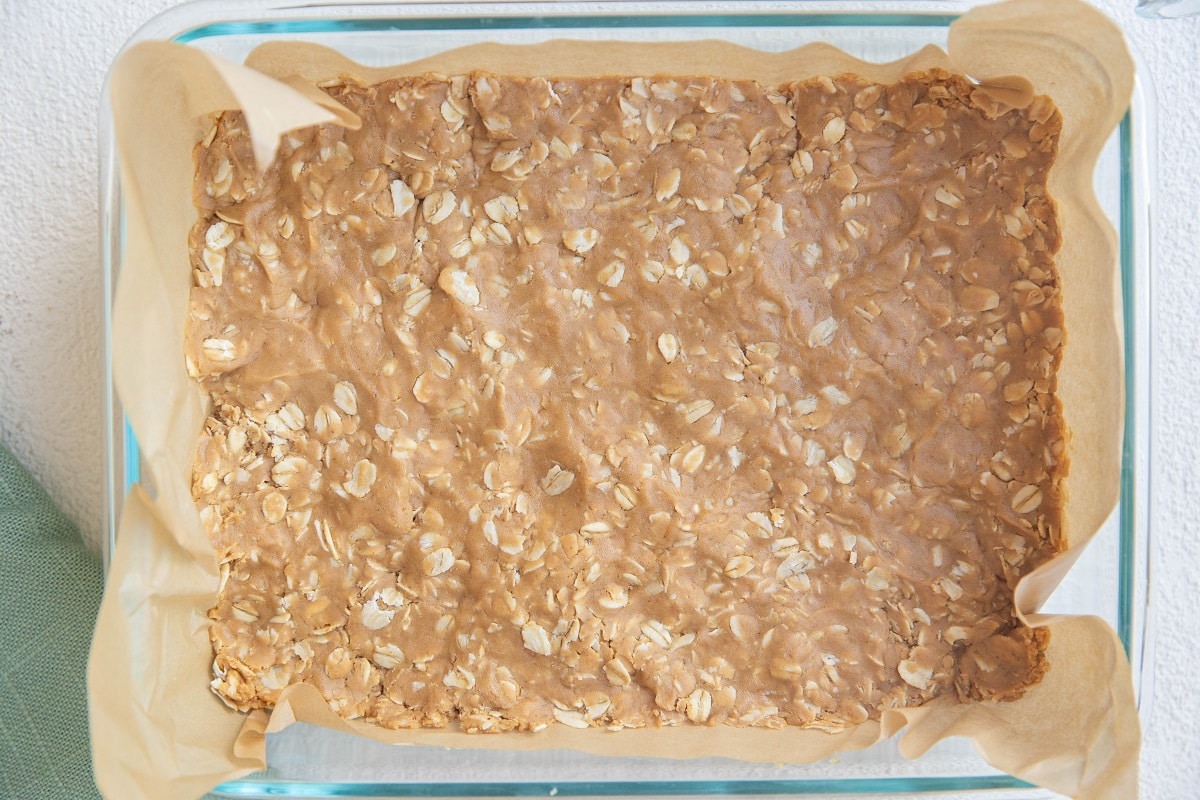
(630, 402)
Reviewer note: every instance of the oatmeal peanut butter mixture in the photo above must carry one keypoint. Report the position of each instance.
(630, 402)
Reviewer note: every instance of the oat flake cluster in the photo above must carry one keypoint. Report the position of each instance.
(630, 402)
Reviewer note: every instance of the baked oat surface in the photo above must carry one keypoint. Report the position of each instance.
(630, 402)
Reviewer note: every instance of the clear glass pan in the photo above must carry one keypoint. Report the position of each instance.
(1111, 580)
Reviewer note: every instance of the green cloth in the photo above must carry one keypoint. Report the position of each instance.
(50, 589)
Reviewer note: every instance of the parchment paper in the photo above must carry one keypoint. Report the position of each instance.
(157, 729)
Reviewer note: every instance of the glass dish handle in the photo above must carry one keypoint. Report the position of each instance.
(1168, 9)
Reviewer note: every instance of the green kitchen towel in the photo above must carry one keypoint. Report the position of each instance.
(49, 593)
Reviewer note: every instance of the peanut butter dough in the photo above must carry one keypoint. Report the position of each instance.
(630, 402)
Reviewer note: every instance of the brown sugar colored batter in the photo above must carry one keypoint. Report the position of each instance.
(630, 402)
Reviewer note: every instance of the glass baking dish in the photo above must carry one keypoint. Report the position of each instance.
(1111, 580)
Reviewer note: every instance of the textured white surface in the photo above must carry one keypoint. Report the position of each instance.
(50, 290)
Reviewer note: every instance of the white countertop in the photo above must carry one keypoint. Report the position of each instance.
(50, 307)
